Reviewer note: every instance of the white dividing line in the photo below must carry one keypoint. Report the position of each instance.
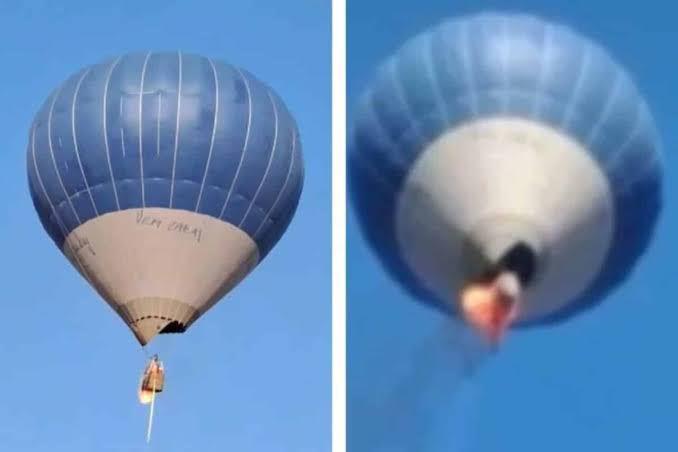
(544, 71)
(377, 176)
(282, 190)
(105, 126)
(141, 135)
(157, 137)
(579, 84)
(51, 152)
(247, 140)
(176, 133)
(122, 141)
(60, 224)
(433, 80)
(505, 55)
(385, 141)
(42, 186)
(394, 69)
(270, 161)
(616, 156)
(468, 67)
(214, 132)
(605, 113)
(382, 135)
(75, 139)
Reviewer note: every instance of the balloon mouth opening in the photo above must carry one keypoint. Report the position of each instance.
(174, 327)
(521, 260)
(147, 328)
(149, 317)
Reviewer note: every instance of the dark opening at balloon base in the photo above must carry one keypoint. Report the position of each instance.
(520, 259)
(173, 327)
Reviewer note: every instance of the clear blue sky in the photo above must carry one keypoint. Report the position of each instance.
(604, 381)
(251, 375)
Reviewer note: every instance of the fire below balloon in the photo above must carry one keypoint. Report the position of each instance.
(152, 381)
(491, 306)
(145, 397)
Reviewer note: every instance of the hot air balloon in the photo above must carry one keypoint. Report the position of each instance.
(164, 178)
(505, 170)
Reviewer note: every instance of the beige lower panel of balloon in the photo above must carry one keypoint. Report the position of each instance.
(483, 185)
(158, 266)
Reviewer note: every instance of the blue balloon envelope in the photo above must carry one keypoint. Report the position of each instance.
(165, 178)
(493, 131)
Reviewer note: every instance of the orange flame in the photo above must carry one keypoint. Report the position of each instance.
(145, 397)
(151, 382)
(491, 307)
